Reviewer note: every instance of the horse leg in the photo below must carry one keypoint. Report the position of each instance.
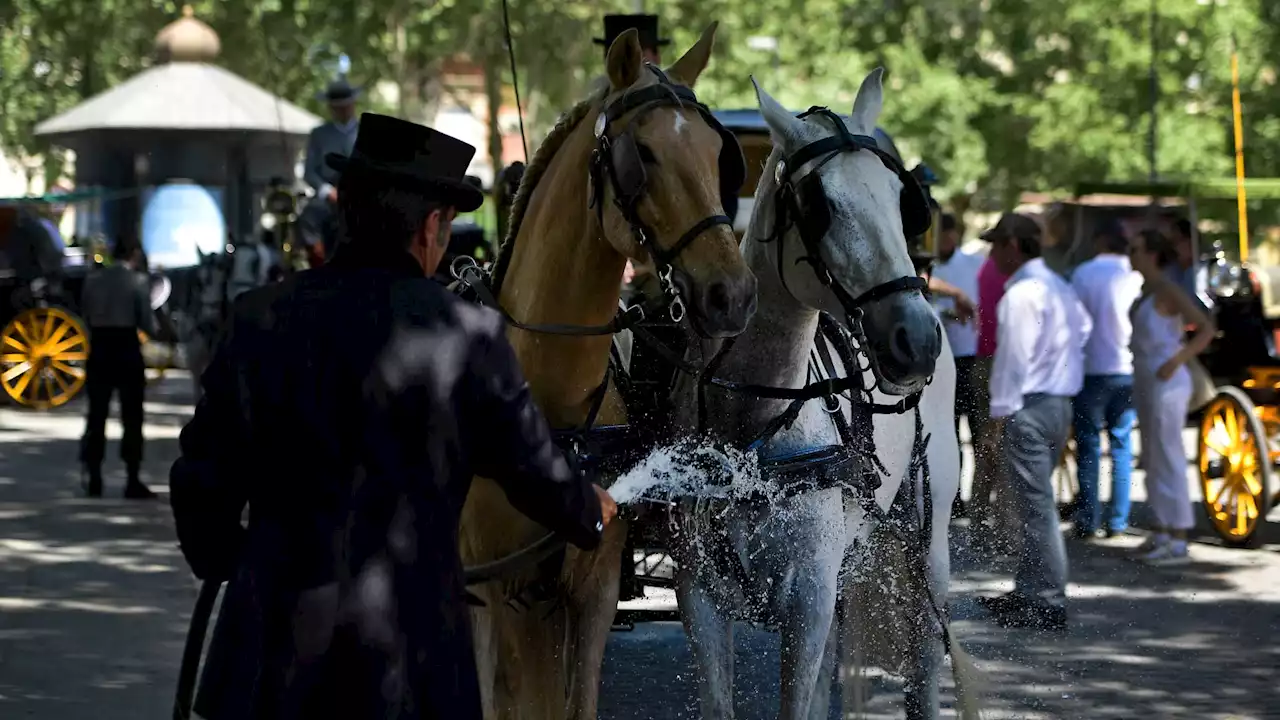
(920, 692)
(591, 581)
(820, 705)
(809, 602)
(710, 633)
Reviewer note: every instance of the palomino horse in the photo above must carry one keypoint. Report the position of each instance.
(636, 172)
(830, 198)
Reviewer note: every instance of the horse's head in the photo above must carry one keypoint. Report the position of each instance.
(830, 197)
(663, 168)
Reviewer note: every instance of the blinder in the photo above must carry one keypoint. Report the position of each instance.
(810, 196)
(619, 158)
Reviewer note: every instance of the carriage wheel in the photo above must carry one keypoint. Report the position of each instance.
(1235, 467)
(42, 357)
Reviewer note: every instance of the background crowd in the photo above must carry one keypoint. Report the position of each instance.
(1105, 349)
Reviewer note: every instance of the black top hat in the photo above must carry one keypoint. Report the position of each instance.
(339, 92)
(647, 25)
(413, 155)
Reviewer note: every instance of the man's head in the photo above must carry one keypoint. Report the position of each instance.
(126, 252)
(1111, 237)
(400, 218)
(1014, 241)
(341, 97)
(402, 186)
(948, 236)
(1183, 245)
(647, 25)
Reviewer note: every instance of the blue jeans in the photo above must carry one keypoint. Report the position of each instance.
(1104, 400)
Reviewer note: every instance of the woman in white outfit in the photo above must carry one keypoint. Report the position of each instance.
(1162, 391)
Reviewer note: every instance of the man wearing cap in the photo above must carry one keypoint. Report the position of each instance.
(348, 407)
(1038, 369)
(337, 136)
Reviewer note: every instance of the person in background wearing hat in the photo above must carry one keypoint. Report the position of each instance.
(116, 304)
(1108, 287)
(337, 136)
(346, 595)
(651, 41)
(1039, 367)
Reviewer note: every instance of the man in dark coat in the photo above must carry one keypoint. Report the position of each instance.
(348, 407)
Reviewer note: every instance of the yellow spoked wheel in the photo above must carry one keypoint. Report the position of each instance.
(1235, 467)
(43, 352)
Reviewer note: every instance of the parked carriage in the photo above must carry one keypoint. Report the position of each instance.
(43, 342)
(1239, 429)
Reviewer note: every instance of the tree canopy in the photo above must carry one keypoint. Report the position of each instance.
(999, 96)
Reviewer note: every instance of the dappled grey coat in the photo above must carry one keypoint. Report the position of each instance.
(349, 407)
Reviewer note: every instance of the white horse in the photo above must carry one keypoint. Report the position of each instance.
(789, 554)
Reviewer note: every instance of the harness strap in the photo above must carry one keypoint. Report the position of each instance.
(623, 320)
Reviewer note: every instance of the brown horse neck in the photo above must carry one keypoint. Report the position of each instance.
(563, 272)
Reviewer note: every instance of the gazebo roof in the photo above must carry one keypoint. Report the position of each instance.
(183, 92)
(183, 96)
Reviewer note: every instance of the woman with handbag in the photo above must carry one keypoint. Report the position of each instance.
(1162, 392)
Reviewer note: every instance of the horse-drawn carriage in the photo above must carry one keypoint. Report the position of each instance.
(1239, 428)
(648, 565)
(43, 343)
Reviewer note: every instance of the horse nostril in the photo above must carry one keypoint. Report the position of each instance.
(900, 346)
(719, 299)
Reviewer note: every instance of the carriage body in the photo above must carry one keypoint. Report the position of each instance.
(1238, 446)
(44, 344)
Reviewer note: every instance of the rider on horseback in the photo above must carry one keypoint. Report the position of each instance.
(318, 221)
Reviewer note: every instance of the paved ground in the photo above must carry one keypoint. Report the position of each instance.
(94, 600)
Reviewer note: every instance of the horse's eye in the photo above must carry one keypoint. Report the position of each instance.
(646, 155)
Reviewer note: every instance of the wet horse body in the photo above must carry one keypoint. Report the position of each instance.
(789, 552)
(541, 633)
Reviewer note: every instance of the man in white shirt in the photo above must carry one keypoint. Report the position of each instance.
(1038, 368)
(1107, 287)
(959, 269)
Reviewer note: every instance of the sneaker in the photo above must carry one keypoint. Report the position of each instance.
(1168, 555)
(1153, 541)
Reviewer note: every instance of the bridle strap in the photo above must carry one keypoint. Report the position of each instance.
(666, 256)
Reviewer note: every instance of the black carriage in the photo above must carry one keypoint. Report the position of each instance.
(43, 342)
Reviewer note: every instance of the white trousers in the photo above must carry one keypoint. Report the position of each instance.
(1162, 413)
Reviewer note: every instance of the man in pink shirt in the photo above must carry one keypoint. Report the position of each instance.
(991, 284)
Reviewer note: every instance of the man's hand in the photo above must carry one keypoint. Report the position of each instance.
(333, 195)
(1166, 371)
(965, 309)
(608, 508)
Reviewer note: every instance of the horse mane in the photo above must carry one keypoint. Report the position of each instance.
(533, 172)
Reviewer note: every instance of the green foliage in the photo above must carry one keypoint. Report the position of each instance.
(999, 96)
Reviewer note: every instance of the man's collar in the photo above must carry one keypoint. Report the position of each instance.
(1028, 269)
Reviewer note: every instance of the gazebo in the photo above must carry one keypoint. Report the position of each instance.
(186, 122)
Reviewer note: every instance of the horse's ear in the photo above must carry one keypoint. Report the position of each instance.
(870, 100)
(692, 63)
(624, 63)
(782, 124)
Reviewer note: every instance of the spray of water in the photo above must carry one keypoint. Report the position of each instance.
(690, 469)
